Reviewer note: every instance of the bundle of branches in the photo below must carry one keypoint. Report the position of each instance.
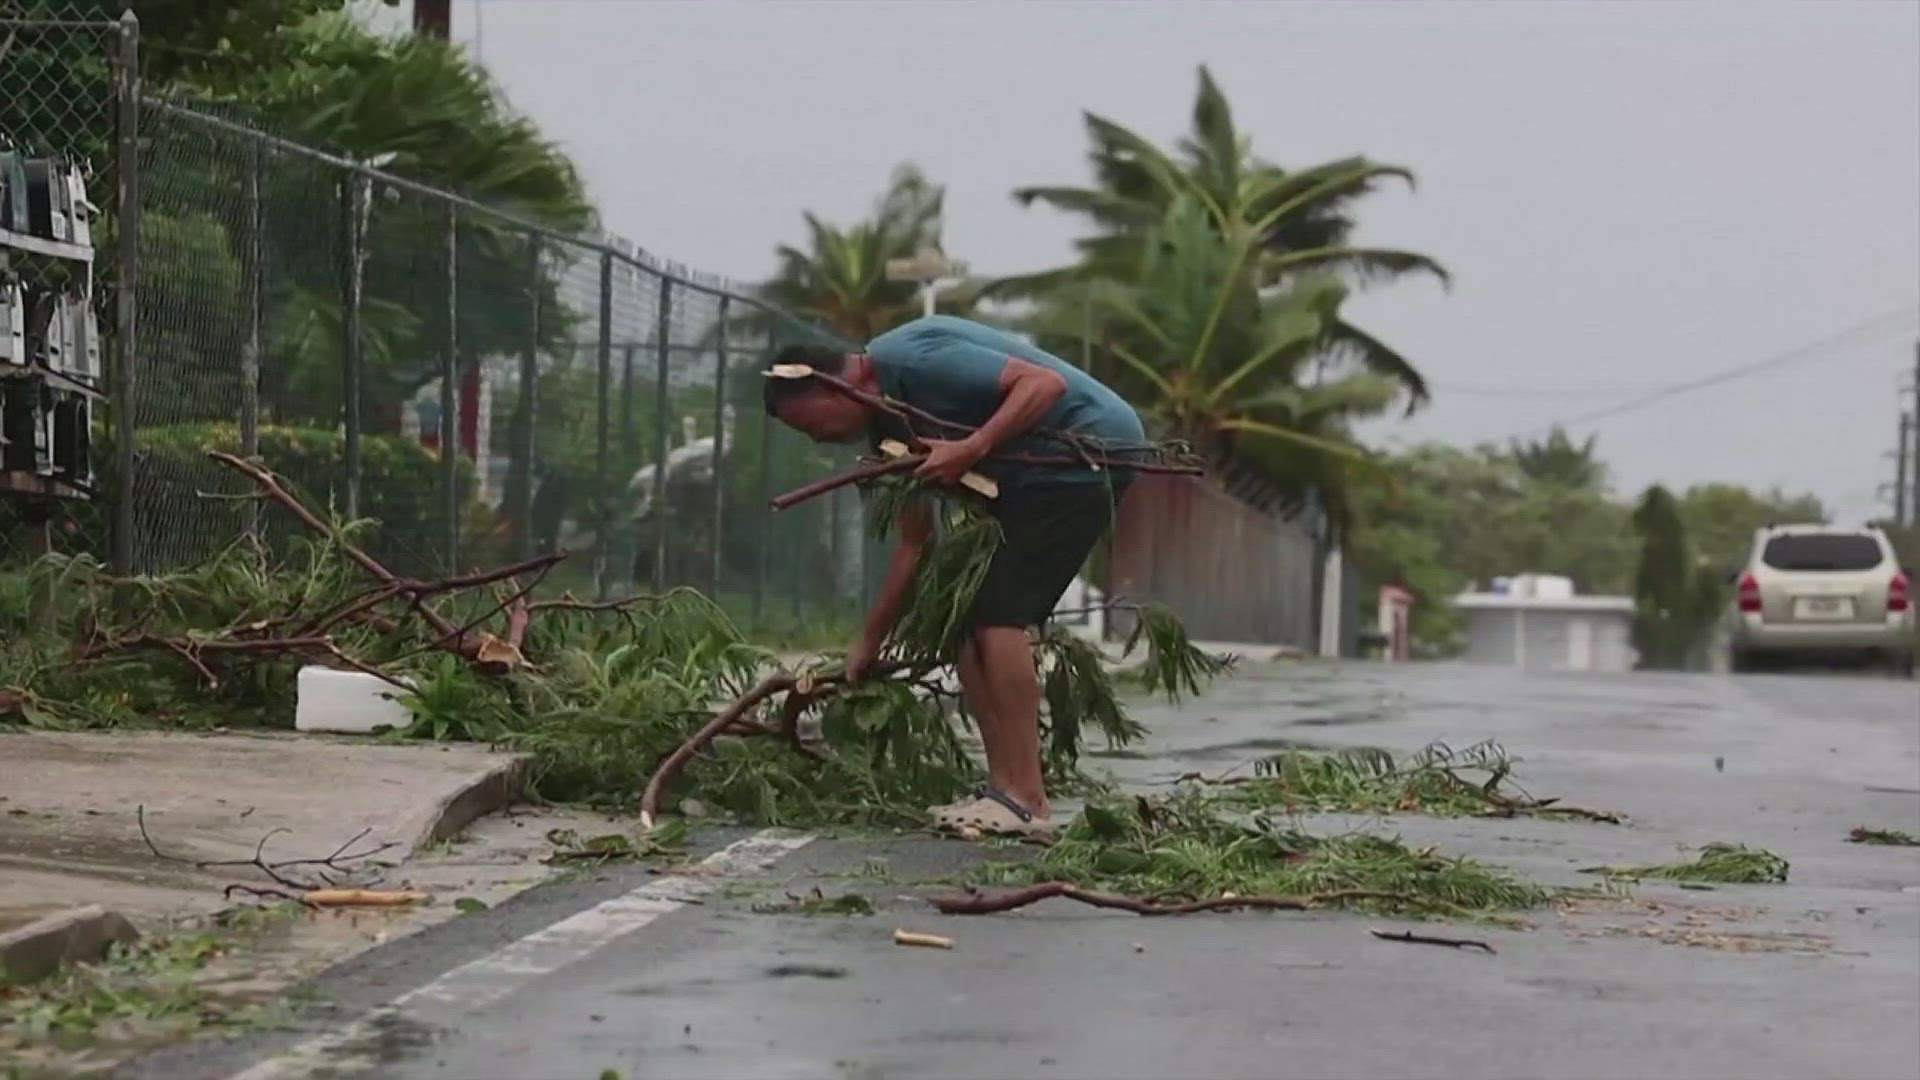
(225, 636)
(1436, 780)
(1194, 850)
(904, 713)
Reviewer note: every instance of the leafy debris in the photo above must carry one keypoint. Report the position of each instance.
(818, 903)
(1883, 837)
(1721, 862)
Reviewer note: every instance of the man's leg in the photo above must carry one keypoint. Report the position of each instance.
(973, 684)
(1012, 688)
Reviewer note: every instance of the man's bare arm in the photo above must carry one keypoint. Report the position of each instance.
(1028, 390)
(913, 528)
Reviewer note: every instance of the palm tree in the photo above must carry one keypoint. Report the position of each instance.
(1220, 361)
(1301, 220)
(422, 109)
(839, 279)
(1558, 460)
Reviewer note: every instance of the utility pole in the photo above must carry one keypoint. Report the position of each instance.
(1910, 445)
(1902, 462)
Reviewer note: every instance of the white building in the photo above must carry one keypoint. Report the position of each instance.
(1536, 621)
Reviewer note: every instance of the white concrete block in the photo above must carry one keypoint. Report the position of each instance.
(346, 701)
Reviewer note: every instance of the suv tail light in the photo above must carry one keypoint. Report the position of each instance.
(1897, 598)
(1750, 593)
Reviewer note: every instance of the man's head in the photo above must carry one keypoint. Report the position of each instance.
(810, 406)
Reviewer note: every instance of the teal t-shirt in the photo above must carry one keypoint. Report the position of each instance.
(951, 368)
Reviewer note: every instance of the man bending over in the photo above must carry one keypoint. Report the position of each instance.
(1051, 515)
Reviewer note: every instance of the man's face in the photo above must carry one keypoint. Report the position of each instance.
(825, 415)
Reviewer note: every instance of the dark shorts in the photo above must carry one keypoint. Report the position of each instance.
(1049, 531)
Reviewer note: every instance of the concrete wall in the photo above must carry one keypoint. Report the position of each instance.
(1547, 638)
(1230, 571)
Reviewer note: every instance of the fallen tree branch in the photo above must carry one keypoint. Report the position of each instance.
(191, 650)
(483, 648)
(722, 720)
(1429, 939)
(983, 904)
(807, 687)
(274, 870)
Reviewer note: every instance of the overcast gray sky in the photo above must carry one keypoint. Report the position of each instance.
(1631, 194)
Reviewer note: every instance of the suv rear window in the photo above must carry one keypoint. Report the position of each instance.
(1822, 551)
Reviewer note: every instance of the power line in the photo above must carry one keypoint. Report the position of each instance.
(1539, 393)
(1876, 325)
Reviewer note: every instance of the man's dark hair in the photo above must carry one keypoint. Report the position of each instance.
(818, 357)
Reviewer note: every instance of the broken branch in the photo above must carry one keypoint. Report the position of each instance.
(982, 904)
(1429, 939)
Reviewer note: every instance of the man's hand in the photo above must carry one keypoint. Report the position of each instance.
(860, 658)
(948, 461)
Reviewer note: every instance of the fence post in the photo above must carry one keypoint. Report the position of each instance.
(766, 532)
(450, 395)
(126, 286)
(520, 498)
(603, 404)
(663, 333)
(253, 265)
(719, 446)
(353, 196)
(629, 434)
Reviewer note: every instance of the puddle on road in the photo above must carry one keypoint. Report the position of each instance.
(1245, 747)
(805, 971)
(1343, 719)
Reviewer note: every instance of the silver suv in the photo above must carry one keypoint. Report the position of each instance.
(1813, 588)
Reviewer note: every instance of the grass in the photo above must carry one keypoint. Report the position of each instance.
(1733, 864)
(1883, 837)
(1198, 845)
(155, 985)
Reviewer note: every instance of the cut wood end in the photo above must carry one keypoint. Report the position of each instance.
(789, 371)
(925, 941)
(980, 485)
(362, 897)
(493, 650)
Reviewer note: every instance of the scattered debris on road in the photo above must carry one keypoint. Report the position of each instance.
(1205, 849)
(570, 847)
(1429, 939)
(925, 941)
(818, 903)
(1433, 781)
(329, 872)
(1883, 837)
(1734, 864)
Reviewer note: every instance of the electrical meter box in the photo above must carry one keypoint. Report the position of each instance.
(13, 325)
(50, 348)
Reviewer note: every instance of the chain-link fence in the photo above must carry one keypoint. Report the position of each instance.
(472, 386)
(65, 97)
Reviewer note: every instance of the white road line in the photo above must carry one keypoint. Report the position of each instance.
(354, 1048)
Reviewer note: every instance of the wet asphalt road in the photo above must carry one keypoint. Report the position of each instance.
(1819, 977)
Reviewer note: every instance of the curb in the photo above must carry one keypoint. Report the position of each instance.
(39, 948)
(492, 790)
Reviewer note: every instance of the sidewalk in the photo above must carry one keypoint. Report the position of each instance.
(70, 805)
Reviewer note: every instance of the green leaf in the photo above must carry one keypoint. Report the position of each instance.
(1104, 823)
(467, 905)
